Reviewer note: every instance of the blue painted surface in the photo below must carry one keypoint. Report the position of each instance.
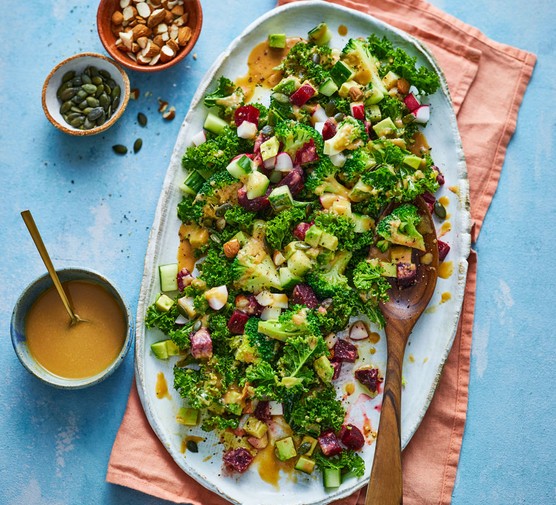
(95, 209)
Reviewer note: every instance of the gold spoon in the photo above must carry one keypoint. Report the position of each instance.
(36, 236)
(401, 313)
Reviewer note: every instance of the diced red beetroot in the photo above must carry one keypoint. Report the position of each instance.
(201, 344)
(300, 230)
(238, 460)
(440, 177)
(302, 95)
(329, 444)
(247, 113)
(443, 250)
(337, 365)
(262, 411)
(370, 378)
(406, 274)
(303, 294)
(411, 102)
(294, 181)
(358, 110)
(248, 304)
(306, 153)
(184, 278)
(430, 199)
(329, 129)
(351, 437)
(237, 321)
(253, 204)
(345, 351)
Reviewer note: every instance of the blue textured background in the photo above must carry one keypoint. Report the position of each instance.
(95, 209)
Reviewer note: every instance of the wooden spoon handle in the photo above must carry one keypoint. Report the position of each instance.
(386, 485)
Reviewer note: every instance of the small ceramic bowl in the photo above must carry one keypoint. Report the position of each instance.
(106, 9)
(22, 307)
(51, 103)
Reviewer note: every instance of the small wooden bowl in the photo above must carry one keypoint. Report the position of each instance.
(51, 103)
(107, 8)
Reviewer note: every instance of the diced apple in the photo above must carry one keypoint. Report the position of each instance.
(358, 110)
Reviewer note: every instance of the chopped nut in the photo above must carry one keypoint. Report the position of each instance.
(169, 114)
(157, 16)
(150, 50)
(403, 86)
(159, 41)
(178, 10)
(117, 18)
(140, 31)
(184, 34)
(171, 43)
(231, 248)
(129, 13)
(169, 17)
(355, 93)
(166, 53)
(142, 42)
(134, 94)
(143, 9)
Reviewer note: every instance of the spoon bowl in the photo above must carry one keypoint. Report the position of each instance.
(401, 312)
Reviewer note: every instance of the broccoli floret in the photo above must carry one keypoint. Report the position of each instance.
(328, 279)
(279, 110)
(227, 97)
(296, 364)
(253, 269)
(399, 227)
(279, 228)
(347, 461)
(392, 107)
(323, 180)
(164, 321)
(287, 85)
(189, 211)
(357, 55)
(264, 347)
(350, 134)
(342, 227)
(239, 218)
(297, 321)
(399, 62)
(294, 136)
(357, 162)
(338, 309)
(215, 154)
(220, 189)
(369, 281)
(308, 61)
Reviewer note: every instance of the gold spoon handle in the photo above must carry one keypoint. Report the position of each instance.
(36, 236)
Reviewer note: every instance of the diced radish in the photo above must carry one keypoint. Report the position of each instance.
(422, 114)
(358, 110)
(331, 340)
(199, 138)
(271, 313)
(181, 320)
(283, 162)
(247, 113)
(319, 115)
(247, 130)
(300, 230)
(411, 102)
(329, 129)
(414, 90)
(338, 160)
(258, 443)
(184, 279)
(358, 331)
(270, 163)
(217, 297)
(302, 95)
(275, 408)
(319, 126)
(264, 298)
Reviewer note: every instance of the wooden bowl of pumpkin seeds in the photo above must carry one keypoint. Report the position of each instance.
(85, 94)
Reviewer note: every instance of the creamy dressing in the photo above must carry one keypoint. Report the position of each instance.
(81, 350)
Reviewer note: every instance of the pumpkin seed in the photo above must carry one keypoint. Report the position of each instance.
(89, 88)
(75, 109)
(192, 446)
(197, 325)
(95, 113)
(77, 122)
(92, 101)
(67, 94)
(97, 80)
(86, 79)
(440, 210)
(66, 106)
(83, 105)
(115, 103)
(116, 91)
(88, 124)
(93, 71)
(104, 101)
(104, 74)
(107, 89)
(62, 88)
(86, 110)
(76, 81)
(68, 76)
(100, 90)
(102, 119)
(82, 94)
(142, 119)
(119, 149)
(137, 145)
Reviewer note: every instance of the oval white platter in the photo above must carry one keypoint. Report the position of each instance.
(432, 337)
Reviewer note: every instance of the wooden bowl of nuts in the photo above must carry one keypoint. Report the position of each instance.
(85, 94)
(149, 35)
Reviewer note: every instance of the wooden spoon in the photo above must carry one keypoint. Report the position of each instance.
(401, 313)
(36, 236)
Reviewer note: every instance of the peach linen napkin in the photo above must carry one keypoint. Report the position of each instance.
(487, 81)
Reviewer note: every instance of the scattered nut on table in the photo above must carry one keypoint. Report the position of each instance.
(151, 31)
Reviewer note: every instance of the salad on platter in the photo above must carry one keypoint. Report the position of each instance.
(285, 250)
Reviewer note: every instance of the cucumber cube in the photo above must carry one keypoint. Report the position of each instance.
(331, 477)
(307, 445)
(281, 198)
(341, 72)
(240, 167)
(187, 416)
(299, 263)
(285, 449)
(159, 349)
(291, 248)
(277, 40)
(385, 127)
(254, 427)
(346, 86)
(373, 113)
(320, 34)
(328, 87)
(362, 223)
(214, 124)
(313, 235)
(270, 148)
(192, 183)
(287, 279)
(305, 464)
(168, 277)
(328, 241)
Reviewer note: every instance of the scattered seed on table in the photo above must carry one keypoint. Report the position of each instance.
(142, 119)
(440, 210)
(119, 149)
(137, 145)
